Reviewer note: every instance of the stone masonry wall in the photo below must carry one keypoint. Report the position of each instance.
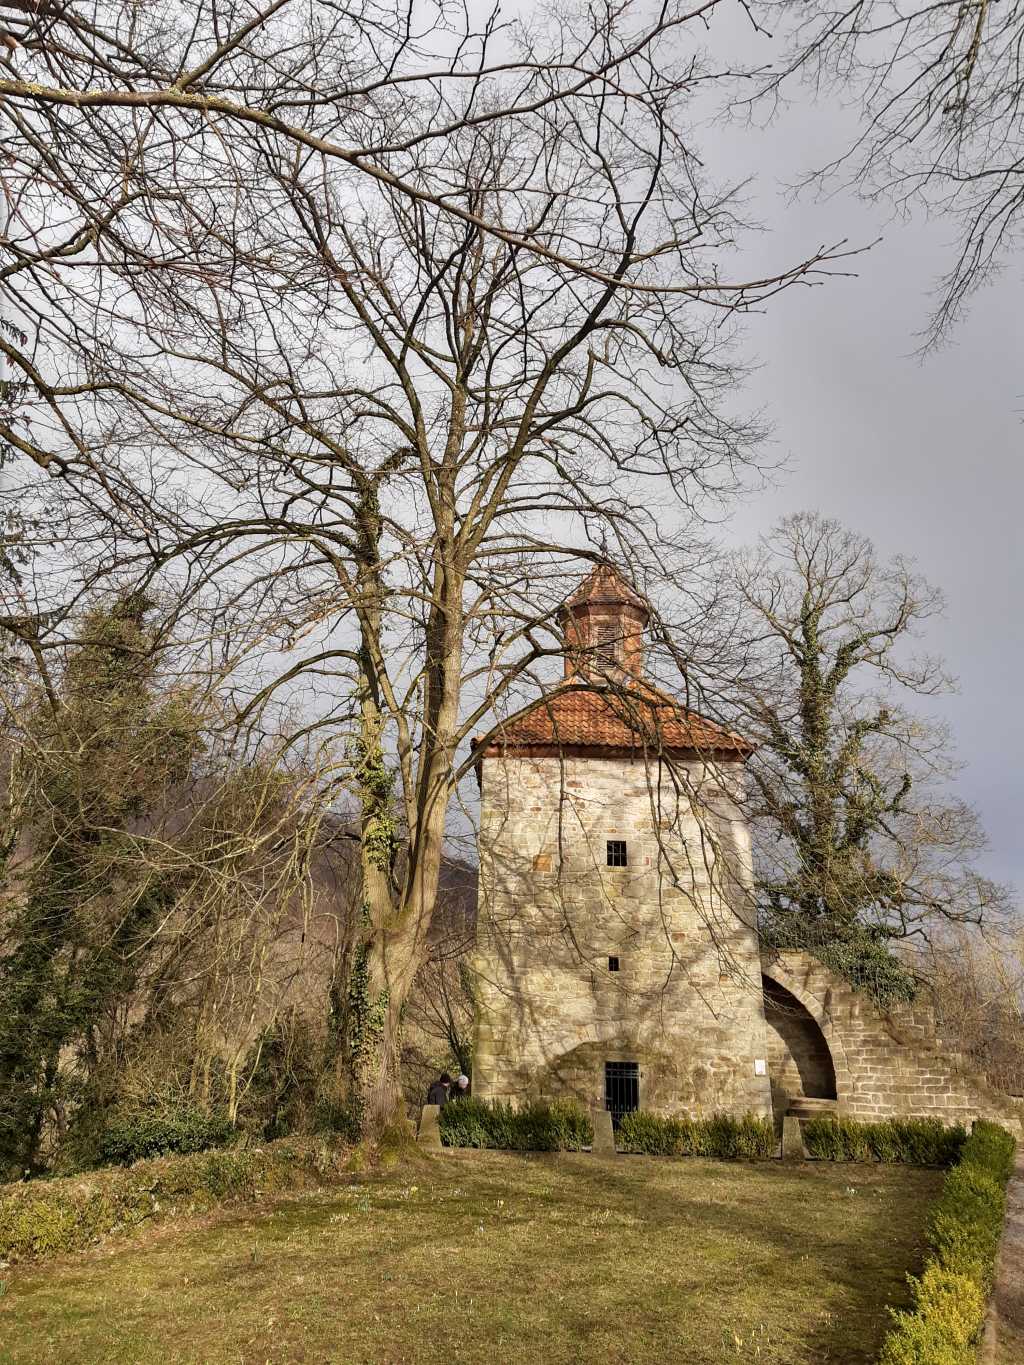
(889, 1064)
(686, 1001)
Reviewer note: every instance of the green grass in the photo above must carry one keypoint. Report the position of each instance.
(476, 1257)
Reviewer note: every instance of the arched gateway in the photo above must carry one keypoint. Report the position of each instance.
(800, 1065)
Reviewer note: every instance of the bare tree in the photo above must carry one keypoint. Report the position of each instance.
(386, 418)
(941, 124)
(136, 138)
(403, 467)
(977, 988)
(861, 847)
(362, 87)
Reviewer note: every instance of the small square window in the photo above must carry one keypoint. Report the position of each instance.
(617, 853)
(613, 964)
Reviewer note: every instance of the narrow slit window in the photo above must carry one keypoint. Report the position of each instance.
(613, 964)
(617, 853)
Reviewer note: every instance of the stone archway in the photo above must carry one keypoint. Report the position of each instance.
(800, 1062)
(815, 990)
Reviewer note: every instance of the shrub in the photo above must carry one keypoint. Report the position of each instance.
(943, 1327)
(336, 1119)
(536, 1126)
(45, 1217)
(136, 1136)
(285, 1069)
(966, 1223)
(722, 1137)
(917, 1142)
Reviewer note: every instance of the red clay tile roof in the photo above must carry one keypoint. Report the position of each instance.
(633, 718)
(604, 584)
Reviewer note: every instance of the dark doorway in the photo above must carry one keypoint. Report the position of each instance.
(621, 1089)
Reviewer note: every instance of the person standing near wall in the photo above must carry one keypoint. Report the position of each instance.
(439, 1091)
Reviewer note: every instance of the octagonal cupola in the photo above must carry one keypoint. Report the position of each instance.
(602, 624)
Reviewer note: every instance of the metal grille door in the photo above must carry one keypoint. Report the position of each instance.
(621, 1089)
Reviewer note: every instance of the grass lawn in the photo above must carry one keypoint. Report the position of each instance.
(473, 1257)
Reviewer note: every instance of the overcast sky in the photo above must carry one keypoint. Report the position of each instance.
(922, 456)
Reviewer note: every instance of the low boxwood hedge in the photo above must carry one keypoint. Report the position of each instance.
(917, 1142)
(721, 1137)
(45, 1217)
(535, 1126)
(944, 1325)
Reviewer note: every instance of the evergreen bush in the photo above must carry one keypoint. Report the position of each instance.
(945, 1323)
(133, 1137)
(536, 1126)
(285, 1068)
(91, 771)
(719, 1137)
(336, 1119)
(916, 1142)
(944, 1327)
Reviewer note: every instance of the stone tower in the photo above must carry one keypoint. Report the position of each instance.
(616, 956)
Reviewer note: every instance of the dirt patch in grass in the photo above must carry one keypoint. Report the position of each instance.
(490, 1257)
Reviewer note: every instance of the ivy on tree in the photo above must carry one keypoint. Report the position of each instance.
(81, 895)
(860, 848)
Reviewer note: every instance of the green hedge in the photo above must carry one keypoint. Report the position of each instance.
(721, 1137)
(945, 1323)
(918, 1142)
(44, 1217)
(537, 1126)
(134, 1137)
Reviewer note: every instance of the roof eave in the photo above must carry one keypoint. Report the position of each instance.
(515, 748)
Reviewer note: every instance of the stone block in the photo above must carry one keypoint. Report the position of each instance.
(429, 1134)
(792, 1139)
(604, 1133)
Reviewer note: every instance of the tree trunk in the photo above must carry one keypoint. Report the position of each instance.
(391, 949)
(398, 906)
(381, 978)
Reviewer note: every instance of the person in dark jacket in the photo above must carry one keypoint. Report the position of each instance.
(438, 1092)
(461, 1091)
